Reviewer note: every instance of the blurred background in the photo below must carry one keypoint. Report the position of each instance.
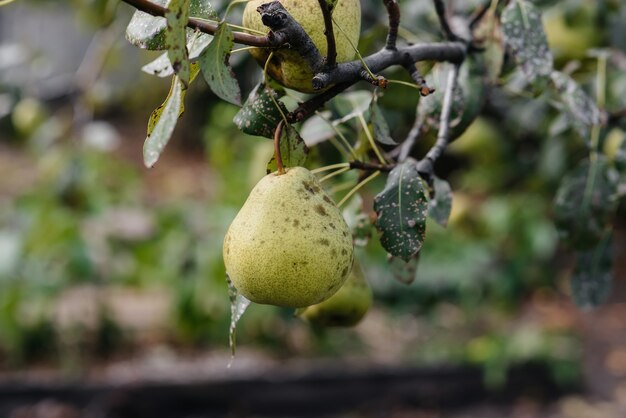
(113, 301)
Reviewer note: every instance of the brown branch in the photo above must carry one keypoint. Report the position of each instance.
(279, 160)
(393, 10)
(307, 108)
(331, 50)
(201, 25)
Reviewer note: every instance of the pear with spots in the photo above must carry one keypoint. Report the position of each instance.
(289, 244)
(287, 66)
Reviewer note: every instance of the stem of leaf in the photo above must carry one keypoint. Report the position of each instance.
(330, 167)
(341, 136)
(357, 187)
(245, 48)
(356, 50)
(370, 138)
(277, 134)
(333, 174)
(595, 132)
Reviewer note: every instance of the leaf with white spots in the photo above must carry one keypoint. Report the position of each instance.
(402, 208)
(381, 128)
(161, 66)
(440, 206)
(177, 16)
(259, 114)
(293, 150)
(403, 271)
(592, 277)
(524, 36)
(584, 203)
(215, 66)
(581, 110)
(238, 306)
(148, 32)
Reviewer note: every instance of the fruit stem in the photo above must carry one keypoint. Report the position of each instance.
(277, 134)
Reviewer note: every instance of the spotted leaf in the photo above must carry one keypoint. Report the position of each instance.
(293, 150)
(402, 208)
(215, 66)
(259, 114)
(440, 206)
(523, 34)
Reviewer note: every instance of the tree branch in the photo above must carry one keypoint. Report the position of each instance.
(440, 7)
(201, 25)
(427, 164)
(350, 72)
(331, 47)
(310, 106)
(393, 10)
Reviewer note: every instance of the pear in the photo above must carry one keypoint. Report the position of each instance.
(345, 308)
(288, 245)
(287, 66)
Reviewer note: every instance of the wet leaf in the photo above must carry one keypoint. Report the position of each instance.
(259, 114)
(583, 204)
(593, 275)
(162, 123)
(440, 206)
(164, 118)
(402, 208)
(293, 150)
(524, 36)
(215, 66)
(238, 306)
(161, 66)
(581, 110)
(148, 32)
(403, 271)
(176, 38)
(381, 128)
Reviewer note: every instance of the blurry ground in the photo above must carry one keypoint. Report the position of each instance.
(603, 333)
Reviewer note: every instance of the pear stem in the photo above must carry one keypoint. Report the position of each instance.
(279, 160)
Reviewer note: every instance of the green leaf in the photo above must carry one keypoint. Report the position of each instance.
(472, 83)
(583, 204)
(317, 129)
(524, 36)
(148, 32)
(163, 120)
(215, 66)
(358, 221)
(403, 271)
(161, 66)
(440, 206)
(381, 128)
(176, 38)
(259, 114)
(162, 123)
(581, 110)
(592, 277)
(238, 306)
(402, 208)
(293, 150)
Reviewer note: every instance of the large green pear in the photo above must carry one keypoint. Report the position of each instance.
(286, 66)
(345, 308)
(288, 245)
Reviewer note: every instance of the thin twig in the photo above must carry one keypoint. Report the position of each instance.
(357, 187)
(440, 7)
(331, 47)
(393, 10)
(202, 25)
(411, 138)
(279, 160)
(359, 165)
(426, 165)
